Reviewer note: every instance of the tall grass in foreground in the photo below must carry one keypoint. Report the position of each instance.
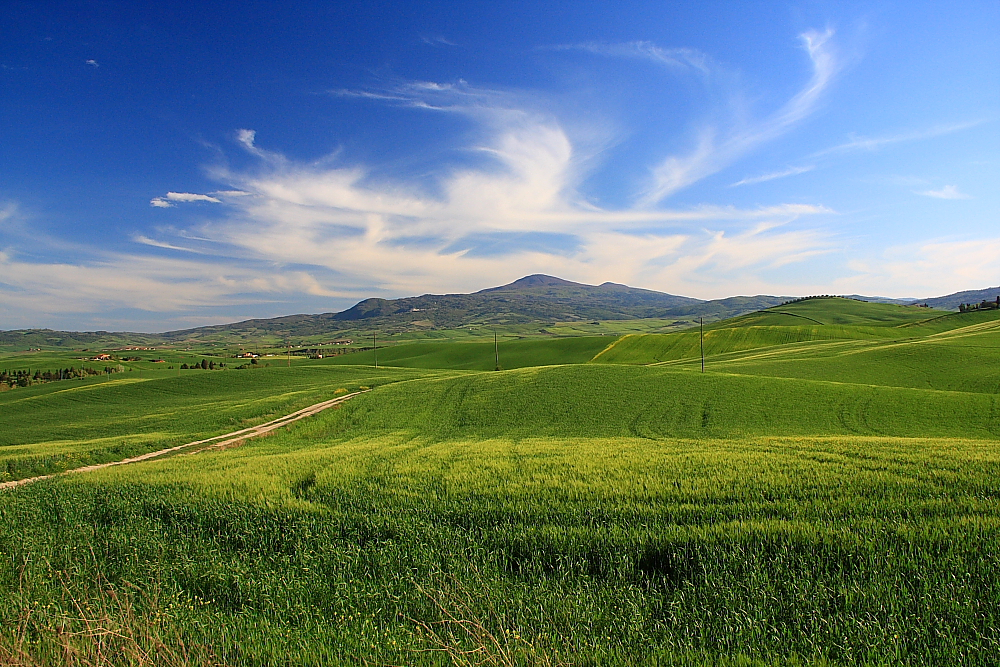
(305, 548)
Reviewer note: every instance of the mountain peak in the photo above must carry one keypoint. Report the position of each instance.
(539, 280)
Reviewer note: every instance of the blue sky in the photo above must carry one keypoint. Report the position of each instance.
(192, 164)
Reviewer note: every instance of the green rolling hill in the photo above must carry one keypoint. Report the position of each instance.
(535, 299)
(481, 354)
(825, 493)
(656, 403)
(814, 319)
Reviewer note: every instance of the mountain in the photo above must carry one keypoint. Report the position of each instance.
(536, 298)
(952, 301)
(531, 298)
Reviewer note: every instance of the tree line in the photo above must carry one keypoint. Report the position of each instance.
(26, 378)
(984, 305)
(206, 365)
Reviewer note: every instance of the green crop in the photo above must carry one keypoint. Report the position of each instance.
(827, 493)
(481, 354)
(71, 423)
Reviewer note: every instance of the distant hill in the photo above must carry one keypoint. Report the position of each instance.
(953, 301)
(881, 299)
(531, 298)
(75, 339)
(536, 298)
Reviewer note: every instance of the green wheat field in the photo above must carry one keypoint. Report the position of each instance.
(824, 493)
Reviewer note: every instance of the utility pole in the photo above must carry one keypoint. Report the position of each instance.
(701, 321)
(496, 349)
(375, 347)
(288, 355)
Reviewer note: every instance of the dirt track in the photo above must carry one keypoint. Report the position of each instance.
(218, 442)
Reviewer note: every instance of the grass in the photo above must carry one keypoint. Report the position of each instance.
(60, 425)
(616, 401)
(481, 355)
(579, 551)
(827, 493)
(809, 321)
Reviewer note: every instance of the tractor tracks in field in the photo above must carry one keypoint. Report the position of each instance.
(217, 442)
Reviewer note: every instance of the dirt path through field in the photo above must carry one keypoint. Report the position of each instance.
(218, 442)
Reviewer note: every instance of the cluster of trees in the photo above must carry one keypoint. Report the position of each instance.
(27, 378)
(252, 364)
(985, 305)
(206, 365)
(815, 296)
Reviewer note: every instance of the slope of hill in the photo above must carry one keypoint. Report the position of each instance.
(813, 319)
(953, 301)
(29, 338)
(531, 298)
(536, 298)
(617, 401)
(480, 354)
(838, 491)
(825, 311)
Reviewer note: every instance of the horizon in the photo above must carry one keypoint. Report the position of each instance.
(160, 172)
(534, 275)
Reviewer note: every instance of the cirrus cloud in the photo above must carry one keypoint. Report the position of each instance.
(514, 204)
(947, 192)
(170, 198)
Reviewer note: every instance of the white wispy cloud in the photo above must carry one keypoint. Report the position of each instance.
(675, 58)
(143, 282)
(947, 192)
(312, 228)
(7, 211)
(437, 40)
(145, 240)
(927, 269)
(230, 193)
(793, 171)
(190, 196)
(339, 218)
(168, 200)
(246, 137)
(873, 143)
(93, 63)
(286, 226)
(715, 149)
